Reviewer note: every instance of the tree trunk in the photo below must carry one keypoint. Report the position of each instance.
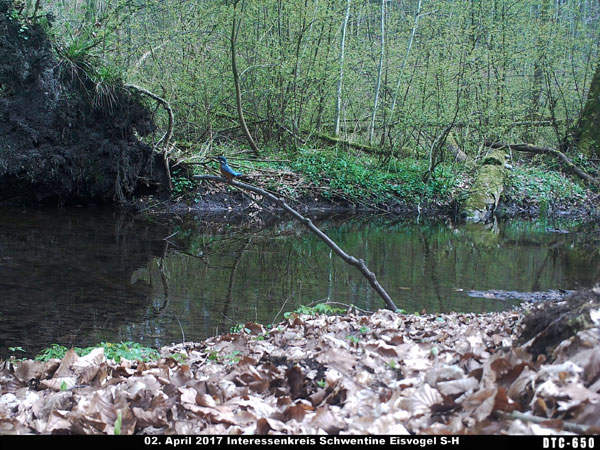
(338, 104)
(410, 42)
(587, 134)
(379, 72)
(236, 82)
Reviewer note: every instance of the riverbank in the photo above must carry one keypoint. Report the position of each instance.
(380, 373)
(320, 181)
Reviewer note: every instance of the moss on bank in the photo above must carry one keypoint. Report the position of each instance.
(330, 178)
(486, 191)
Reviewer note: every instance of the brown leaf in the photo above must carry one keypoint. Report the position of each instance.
(188, 395)
(480, 404)
(57, 422)
(28, 370)
(421, 401)
(50, 368)
(257, 405)
(66, 365)
(296, 412)
(50, 403)
(397, 339)
(264, 425)
(205, 400)
(318, 397)
(154, 414)
(383, 349)
(443, 373)
(591, 371)
(295, 380)
(503, 403)
(590, 415)
(59, 384)
(325, 420)
(255, 328)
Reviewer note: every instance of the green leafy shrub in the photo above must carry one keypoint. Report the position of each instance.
(541, 186)
(362, 179)
(122, 350)
(182, 183)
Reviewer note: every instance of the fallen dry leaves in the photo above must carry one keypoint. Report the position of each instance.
(384, 373)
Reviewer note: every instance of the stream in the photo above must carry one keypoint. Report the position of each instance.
(84, 276)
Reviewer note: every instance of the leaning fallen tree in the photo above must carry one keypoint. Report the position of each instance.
(349, 259)
(484, 195)
(564, 159)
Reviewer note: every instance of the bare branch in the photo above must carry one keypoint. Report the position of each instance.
(547, 151)
(353, 261)
(166, 138)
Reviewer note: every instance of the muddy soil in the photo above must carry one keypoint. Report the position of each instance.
(62, 140)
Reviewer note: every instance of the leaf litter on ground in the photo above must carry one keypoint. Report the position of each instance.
(384, 373)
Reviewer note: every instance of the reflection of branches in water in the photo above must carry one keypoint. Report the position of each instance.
(552, 250)
(229, 295)
(160, 310)
(588, 239)
(165, 281)
(431, 267)
(215, 246)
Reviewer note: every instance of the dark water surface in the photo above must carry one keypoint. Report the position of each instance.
(83, 276)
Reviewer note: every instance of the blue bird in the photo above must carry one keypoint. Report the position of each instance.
(227, 171)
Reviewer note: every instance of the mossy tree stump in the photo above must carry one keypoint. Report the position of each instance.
(487, 189)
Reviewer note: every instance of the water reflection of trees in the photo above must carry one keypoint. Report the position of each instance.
(80, 278)
(242, 275)
(67, 276)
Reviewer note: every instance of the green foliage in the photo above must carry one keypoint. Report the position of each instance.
(542, 186)
(230, 358)
(127, 350)
(181, 358)
(358, 180)
(118, 424)
(493, 63)
(238, 328)
(182, 183)
(496, 68)
(16, 349)
(353, 339)
(54, 351)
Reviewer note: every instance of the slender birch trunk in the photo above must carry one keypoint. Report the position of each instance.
(379, 72)
(401, 70)
(338, 105)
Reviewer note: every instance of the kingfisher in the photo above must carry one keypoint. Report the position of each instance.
(227, 171)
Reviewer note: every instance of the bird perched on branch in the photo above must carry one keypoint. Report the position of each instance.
(227, 171)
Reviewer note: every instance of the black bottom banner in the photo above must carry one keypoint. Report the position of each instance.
(477, 442)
